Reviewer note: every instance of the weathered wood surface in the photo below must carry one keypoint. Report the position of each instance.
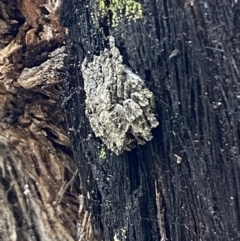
(184, 184)
(39, 186)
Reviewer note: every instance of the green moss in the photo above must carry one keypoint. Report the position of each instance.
(120, 8)
(102, 154)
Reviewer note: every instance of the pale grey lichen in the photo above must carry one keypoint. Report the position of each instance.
(119, 106)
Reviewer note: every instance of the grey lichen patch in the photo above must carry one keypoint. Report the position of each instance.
(119, 106)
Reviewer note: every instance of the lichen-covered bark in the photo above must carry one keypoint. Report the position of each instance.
(119, 107)
(184, 184)
(39, 186)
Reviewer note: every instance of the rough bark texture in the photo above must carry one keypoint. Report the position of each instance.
(119, 107)
(184, 184)
(39, 186)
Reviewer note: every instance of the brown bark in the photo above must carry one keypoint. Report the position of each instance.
(39, 187)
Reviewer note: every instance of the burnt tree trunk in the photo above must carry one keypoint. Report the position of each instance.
(184, 183)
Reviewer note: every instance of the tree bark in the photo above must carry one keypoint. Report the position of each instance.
(39, 185)
(184, 184)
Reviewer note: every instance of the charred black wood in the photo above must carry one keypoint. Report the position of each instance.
(184, 183)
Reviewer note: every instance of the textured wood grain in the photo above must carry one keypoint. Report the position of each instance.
(39, 185)
(184, 184)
